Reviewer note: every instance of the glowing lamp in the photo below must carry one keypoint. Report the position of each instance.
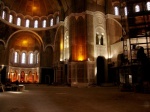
(80, 58)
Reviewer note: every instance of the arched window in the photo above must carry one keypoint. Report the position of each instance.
(18, 21)
(116, 9)
(37, 58)
(51, 22)
(27, 22)
(44, 23)
(148, 6)
(10, 18)
(125, 11)
(57, 19)
(23, 58)
(36, 24)
(3, 15)
(16, 57)
(31, 58)
(66, 42)
(137, 8)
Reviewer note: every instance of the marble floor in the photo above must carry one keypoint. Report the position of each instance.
(44, 98)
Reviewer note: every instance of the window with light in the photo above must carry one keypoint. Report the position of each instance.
(10, 18)
(37, 58)
(116, 9)
(23, 58)
(51, 22)
(31, 58)
(125, 11)
(27, 22)
(44, 23)
(18, 21)
(137, 8)
(3, 15)
(57, 19)
(148, 6)
(36, 24)
(16, 57)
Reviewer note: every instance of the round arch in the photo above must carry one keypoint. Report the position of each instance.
(36, 36)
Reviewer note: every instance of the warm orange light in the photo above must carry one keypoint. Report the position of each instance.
(80, 58)
(61, 46)
(34, 8)
(24, 42)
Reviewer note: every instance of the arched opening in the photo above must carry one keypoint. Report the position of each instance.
(100, 70)
(47, 76)
(23, 51)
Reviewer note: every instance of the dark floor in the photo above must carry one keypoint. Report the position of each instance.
(44, 98)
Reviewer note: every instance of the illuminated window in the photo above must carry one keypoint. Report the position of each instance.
(137, 8)
(148, 6)
(16, 57)
(27, 22)
(23, 58)
(57, 19)
(125, 11)
(116, 9)
(51, 22)
(37, 58)
(66, 42)
(44, 23)
(18, 21)
(10, 18)
(36, 24)
(3, 15)
(31, 58)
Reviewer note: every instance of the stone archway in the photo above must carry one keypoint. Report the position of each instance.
(100, 70)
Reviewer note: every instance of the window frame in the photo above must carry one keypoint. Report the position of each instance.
(27, 23)
(148, 5)
(137, 8)
(51, 22)
(16, 57)
(37, 58)
(57, 19)
(125, 11)
(31, 58)
(3, 14)
(44, 23)
(116, 10)
(36, 24)
(23, 58)
(18, 21)
(10, 18)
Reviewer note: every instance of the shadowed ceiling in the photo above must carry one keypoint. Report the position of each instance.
(37, 7)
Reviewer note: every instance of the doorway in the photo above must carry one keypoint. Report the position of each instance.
(100, 70)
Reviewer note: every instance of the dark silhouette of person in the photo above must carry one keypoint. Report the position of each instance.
(145, 64)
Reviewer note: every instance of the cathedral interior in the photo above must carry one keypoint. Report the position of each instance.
(74, 42)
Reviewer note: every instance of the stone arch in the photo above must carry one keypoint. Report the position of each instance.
(38, 19)
(100, 31)
(21, 31)
(13, 13)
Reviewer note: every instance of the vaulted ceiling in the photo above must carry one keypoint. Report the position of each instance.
(37, 7)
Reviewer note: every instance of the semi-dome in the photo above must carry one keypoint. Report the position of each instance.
(37, 7)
